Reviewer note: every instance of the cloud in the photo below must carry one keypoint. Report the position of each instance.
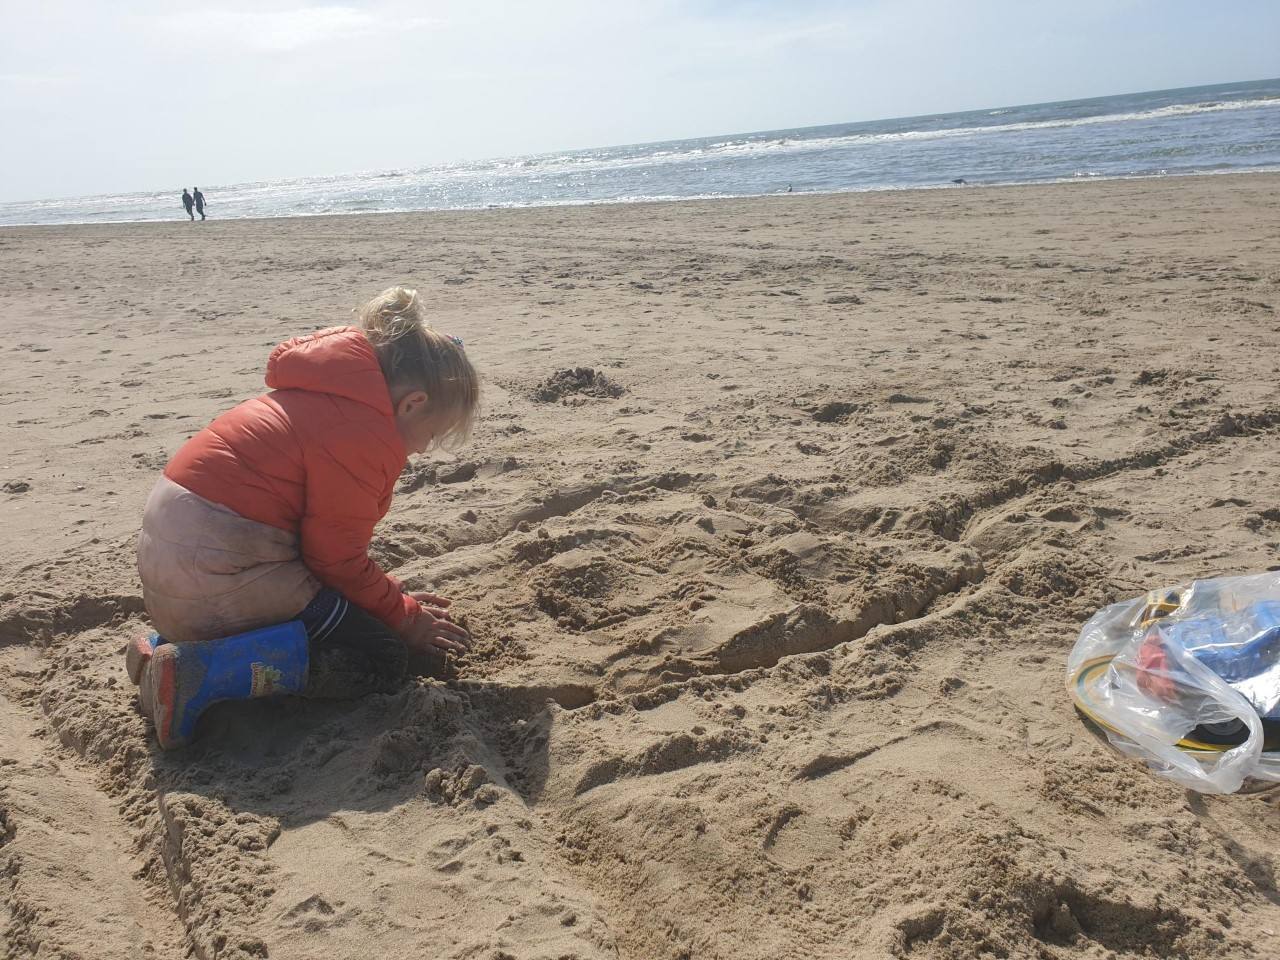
(279, 31)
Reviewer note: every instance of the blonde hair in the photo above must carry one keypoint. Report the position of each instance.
(413, 356)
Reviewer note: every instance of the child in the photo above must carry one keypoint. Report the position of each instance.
(254, 546)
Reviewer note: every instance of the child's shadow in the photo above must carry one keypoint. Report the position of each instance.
(300, 760)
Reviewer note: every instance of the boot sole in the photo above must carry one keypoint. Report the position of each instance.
(159, 693)
(137, 655)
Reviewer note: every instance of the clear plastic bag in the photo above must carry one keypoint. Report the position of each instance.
(1188, 679)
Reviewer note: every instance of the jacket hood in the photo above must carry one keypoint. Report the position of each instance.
(338, 361)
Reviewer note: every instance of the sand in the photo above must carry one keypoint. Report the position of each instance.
(780, 522)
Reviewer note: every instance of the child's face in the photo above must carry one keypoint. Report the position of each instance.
(417, 423)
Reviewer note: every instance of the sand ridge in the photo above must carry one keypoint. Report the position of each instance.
(779, 523)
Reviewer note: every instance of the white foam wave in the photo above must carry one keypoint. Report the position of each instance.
(823, 143)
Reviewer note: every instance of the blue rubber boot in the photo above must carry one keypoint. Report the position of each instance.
(181, 680)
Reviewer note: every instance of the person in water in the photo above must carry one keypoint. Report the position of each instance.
(254, 550)
(199, 199)
(187, 201)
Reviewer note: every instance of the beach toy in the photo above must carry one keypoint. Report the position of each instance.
(179, 681)
(1188, 680)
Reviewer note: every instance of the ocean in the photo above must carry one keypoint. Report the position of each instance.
(1194, 130)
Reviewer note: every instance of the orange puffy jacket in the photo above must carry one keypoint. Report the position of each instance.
(318, 456)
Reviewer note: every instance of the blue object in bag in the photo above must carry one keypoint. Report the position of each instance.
(1242, 648)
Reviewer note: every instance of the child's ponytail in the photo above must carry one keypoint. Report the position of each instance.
(413, 356)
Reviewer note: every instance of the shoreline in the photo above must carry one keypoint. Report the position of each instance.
(651, 201)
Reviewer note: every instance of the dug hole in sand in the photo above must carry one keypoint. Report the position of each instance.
(780, 522)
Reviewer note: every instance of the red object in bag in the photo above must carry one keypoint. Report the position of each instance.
(1153, 667)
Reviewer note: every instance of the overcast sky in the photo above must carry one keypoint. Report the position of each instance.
(99, 97)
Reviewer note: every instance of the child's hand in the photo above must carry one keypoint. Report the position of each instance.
(429, 633)
(435, 603)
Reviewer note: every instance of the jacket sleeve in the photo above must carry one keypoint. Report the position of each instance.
(348, 479)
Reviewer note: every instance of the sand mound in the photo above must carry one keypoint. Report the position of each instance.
(768, 660)
(576, 382)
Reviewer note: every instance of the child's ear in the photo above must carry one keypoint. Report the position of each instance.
(412, 403)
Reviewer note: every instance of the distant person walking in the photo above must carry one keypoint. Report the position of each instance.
(199, 202)
(187, 202)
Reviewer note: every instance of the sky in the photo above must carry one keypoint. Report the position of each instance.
(103, 97)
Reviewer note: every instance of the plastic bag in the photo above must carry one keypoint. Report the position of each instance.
(1188, 679)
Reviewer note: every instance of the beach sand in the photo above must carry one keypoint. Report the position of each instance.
(771, 607)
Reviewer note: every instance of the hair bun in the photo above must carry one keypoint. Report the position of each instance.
(393, 313)
(413, 355)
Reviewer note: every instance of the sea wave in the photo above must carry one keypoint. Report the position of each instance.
(821, 143)
(551, 164)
